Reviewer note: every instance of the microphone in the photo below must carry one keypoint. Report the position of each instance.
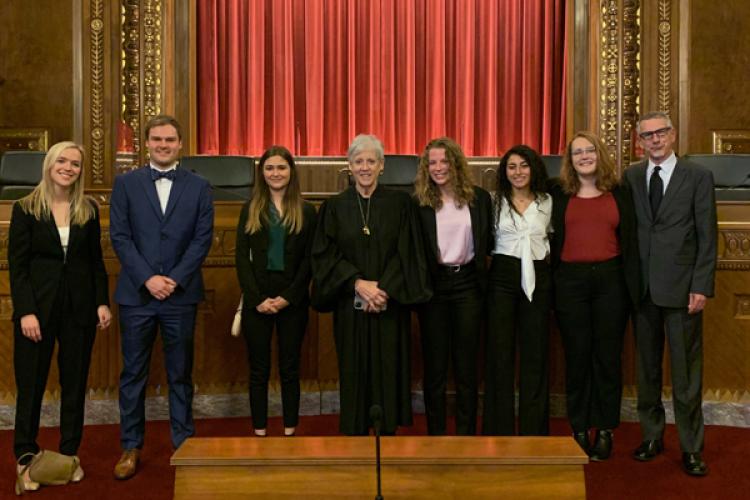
(232, 196)
(376, 417)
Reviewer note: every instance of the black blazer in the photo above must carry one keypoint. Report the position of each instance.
(38, 267)
(481, 226)
(626, 233)
(251, 259)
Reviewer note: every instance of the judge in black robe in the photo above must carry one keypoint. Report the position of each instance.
(367, 243)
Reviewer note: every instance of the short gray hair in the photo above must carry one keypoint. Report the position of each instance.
(365, 142)
(652, 115)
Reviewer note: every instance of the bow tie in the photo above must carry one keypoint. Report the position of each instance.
(158, 174)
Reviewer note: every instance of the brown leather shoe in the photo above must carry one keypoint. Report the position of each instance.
(128, 464)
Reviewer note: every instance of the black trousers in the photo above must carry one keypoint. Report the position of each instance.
(32, 362)
(449, 326)
(257, 329)
(592, 309)
(511, 316)
(684, 334)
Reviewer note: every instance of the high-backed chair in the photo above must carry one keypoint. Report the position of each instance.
(20, 172)
(731, 174)
(231, 176)
(553, 164)
(400, 172)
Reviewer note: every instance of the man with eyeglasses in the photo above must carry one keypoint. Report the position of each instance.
(676, 215)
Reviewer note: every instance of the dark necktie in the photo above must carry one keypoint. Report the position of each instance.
(655, 190)
(158, 174)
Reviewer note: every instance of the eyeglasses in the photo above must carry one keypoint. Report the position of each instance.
(661, 133)
(579, 152)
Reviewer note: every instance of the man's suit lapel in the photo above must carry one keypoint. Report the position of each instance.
(178, 186)
(149, 188)
(639, 188)
(675, 181)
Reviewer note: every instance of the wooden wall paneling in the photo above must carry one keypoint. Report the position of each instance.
(717, 78)
(36, 72)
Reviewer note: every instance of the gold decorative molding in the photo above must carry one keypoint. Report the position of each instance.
(742, 309)
(97, 91)
(731, 141)
(619, 80)
(130, 78)
(664, 91)
(24, 139)
(152, 13)
(736, 245)
(140, 71)
(630, 76)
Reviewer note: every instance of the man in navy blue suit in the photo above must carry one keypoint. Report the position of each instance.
(161, 224)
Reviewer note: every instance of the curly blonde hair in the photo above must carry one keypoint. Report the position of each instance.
(425, 189)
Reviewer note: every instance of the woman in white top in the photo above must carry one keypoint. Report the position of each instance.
(59, 288)
(455, 218)
(519, 298)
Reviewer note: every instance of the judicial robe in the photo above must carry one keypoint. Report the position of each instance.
(373, 349)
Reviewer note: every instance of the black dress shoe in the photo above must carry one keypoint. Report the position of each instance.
(694, 464)
(602, 448)
(648, 450)
(582, 438)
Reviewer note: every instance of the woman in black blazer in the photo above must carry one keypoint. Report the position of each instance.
(274, 238)
(59, 290)
(456, 219)
(596, 270)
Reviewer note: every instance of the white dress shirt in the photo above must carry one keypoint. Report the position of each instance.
(667, 167)
(163, 186)
(524, 237)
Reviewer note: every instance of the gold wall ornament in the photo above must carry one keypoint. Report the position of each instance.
(619, 80)
(24, 139)
(97, 91)
(664, 91)
(130, 78)
(152, 54)
(141, 66)
(731, 141)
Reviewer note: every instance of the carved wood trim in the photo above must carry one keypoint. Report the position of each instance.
(619, 70)
(96, 75)
(664, 90)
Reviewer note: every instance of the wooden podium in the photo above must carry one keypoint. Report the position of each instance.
(412, 467)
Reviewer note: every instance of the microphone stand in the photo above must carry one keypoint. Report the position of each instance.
(376, 414)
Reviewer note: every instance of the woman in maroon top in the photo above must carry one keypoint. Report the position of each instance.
(594, 256)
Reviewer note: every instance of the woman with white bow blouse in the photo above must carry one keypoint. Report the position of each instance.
(519, 298)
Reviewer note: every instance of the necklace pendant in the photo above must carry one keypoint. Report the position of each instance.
(366, 230)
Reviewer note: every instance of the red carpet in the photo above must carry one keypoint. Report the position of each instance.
(727, 454)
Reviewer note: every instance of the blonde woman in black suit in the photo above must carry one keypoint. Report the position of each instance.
(274, 238)
(456, 219)
(59, 291)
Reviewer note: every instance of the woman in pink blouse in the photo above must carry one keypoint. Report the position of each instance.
(455, 217)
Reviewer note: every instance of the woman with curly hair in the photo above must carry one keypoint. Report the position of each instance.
(596, 273)
(455, 220)
(518, 298)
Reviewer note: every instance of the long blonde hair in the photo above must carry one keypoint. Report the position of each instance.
(39, 202)
(427, 192)
(257, 212)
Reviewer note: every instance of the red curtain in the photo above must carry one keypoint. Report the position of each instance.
(311, 74)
